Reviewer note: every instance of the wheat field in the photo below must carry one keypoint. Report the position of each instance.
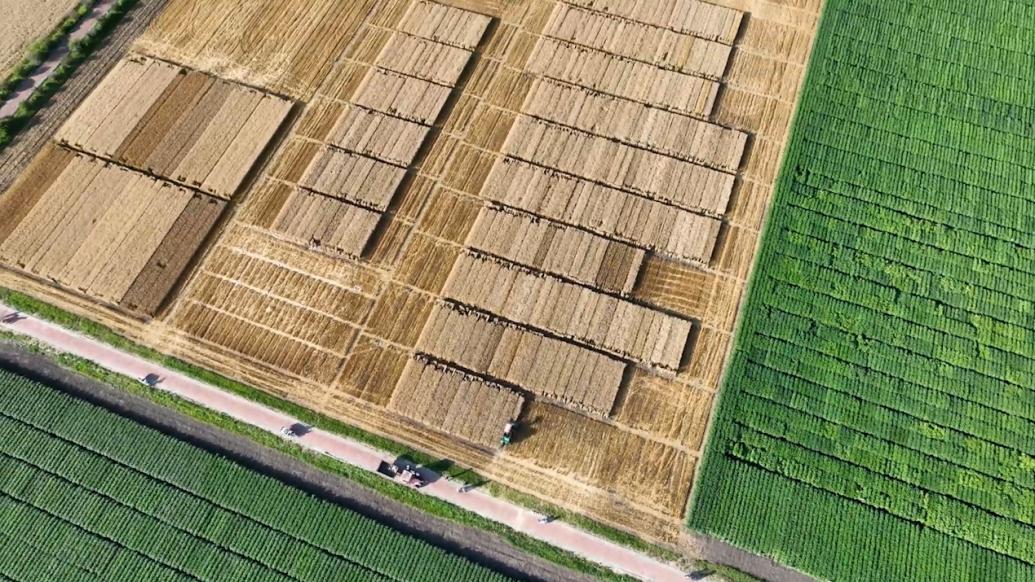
(466, 213)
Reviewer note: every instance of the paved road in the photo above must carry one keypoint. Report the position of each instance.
(559, 534)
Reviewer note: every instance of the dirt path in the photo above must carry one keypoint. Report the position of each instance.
(16, 155)
(556, 533)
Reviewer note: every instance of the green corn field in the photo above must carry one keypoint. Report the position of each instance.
(878, 418)
(86, 494)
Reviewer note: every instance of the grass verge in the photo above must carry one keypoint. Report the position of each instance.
(38, 51)
(78, 52)
(30, 305)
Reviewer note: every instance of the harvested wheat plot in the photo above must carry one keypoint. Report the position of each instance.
(606, 211)
(97, 228)
(378, 135)
(425, 59)
(652, 44)
(656, 176)
(617, 326)
(325, 224)
(401, 96)
(604, 72)
(358, 179)
(701, 19)
(651, 128)
(553, 248)
(286, 47)
(180, 125)
(558, 370)
(445, 24)
(456, 403)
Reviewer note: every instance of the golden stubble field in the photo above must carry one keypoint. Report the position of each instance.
(486, 208)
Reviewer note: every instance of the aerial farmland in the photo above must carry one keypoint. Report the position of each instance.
(434, 219)
(427, 219)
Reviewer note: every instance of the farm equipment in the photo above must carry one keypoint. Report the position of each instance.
(508, 432)
(407, 475)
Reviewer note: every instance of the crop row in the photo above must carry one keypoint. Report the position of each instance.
(154, 494)
(934, 406)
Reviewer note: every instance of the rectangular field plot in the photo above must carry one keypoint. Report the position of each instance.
(619, 327)
(655, 176)
(102, 230)
(456, 403)
(556, 249)
(701, 19)
(655, 45)
(445, 24)
(879, 408)
(657, 130)
(180, 125)
(602, 71)
(565, 372)
(364, 181)
(326, 224)
(285, 47)
(606, 211)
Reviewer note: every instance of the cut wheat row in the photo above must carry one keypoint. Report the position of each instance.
(659, 227)
(624, 78)
(368, 182)
(180, 125)
(625, 329)
(453, 402)
(445, 24)
(552, 368)
(556, 249)
(655, 176)
(381, 136)
(326, 224)
(432, 61)
(655, 45)
(633, 123)
(256, 342)
(702, 19)
(322, 296)
(269, 311)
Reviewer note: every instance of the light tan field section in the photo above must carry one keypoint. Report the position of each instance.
(24, 23)
(180, 125)
(455, 403)
(486, 209)
(95, 227)
(558, 370)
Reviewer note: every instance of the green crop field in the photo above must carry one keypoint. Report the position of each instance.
(878, 419)
(88, 495)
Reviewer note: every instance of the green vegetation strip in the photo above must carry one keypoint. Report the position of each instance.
(78, 52)
(38, 51)
(382, 486)
(112, 499)
(878, 419)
